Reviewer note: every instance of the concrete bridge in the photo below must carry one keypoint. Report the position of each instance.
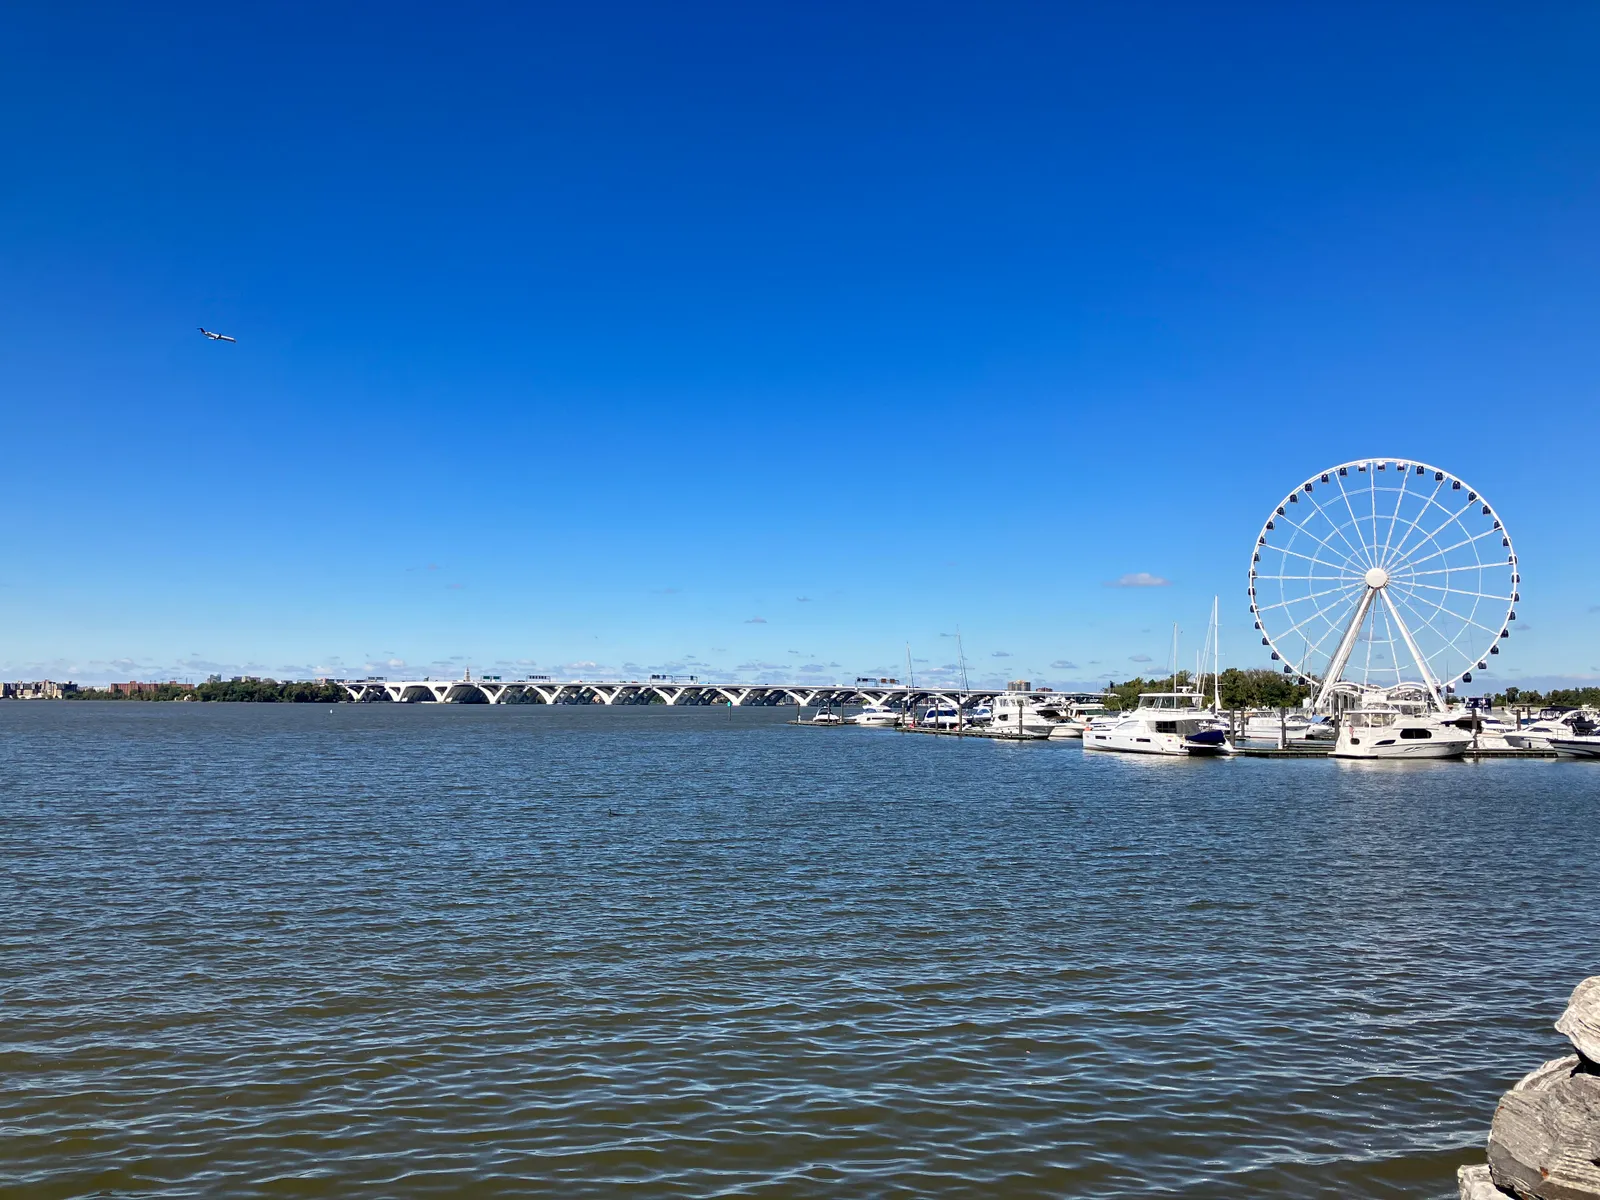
(492, 690)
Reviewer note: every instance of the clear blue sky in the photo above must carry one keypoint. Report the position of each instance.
(768, 336)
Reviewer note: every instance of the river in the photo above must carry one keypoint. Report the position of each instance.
(381, 950)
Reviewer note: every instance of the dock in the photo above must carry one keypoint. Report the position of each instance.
(1293, 750)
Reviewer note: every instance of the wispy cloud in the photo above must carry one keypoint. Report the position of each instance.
(1000, 654)
(453, 587)
(756, 621)
(665, 591)
(1139, 658)
(1139, 579)
(802, 599)
(947, 635)
(1062, 664)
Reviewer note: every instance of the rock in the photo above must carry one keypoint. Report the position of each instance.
(1581, 1021)
(1545, 1140)
(1477, 1185)
(1556, 1068)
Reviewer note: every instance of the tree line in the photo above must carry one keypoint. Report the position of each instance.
(1255, 688)
(260, 691)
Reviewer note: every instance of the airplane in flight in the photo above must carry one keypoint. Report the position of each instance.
(217, 337)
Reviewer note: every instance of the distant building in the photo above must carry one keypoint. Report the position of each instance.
(146, 689)
(43, 689)
(1019, 685)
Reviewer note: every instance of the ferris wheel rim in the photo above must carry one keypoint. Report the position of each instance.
(1390, 570)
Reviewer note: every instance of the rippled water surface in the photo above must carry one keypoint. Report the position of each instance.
(438, 950)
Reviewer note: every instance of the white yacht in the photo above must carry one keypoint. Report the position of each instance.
(1264, 724)
(1164, 723)
(940, 715)
(1552, 724)
(1380, 730)
(1488, 732)
(1078, 715)
(827, 717)
(1577, 745)
(876, 714)
(1018, 714)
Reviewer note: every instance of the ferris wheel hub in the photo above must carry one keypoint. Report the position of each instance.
(1377, 578)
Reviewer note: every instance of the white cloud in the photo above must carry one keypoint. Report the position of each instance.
(1001, 654)
(756, 621)
(1062, 664)
(1139, 579)
(1139, 658)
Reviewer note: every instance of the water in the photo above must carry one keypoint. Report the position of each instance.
(380, 950)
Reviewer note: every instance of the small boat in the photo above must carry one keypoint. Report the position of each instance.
(1164, 723)
(1384, 731)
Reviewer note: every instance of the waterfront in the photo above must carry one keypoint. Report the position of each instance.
(386, 950)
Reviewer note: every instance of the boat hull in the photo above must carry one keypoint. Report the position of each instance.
(1396, 751)
(1152, 743)
(1578, 747)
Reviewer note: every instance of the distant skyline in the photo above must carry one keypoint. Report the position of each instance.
(762, 342)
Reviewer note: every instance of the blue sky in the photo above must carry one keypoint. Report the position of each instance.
(768, 338)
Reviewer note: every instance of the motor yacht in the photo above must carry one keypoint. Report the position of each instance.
(1577, 745)
(1553, 723)
(941, 715)
(1017, 714)
(1383, 731)
(876, 714)
(1163, 723)
(827, 718)
(1265, 724)
(1077, 717)
(1487, 732)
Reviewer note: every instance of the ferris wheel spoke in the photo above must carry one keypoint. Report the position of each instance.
(1434, 587)
(1467, 541)
(1322, 610)
(1439, 607)
(1300, 599)
(1433, 535)
(1355, 521)
(1394, 517)
(1348, 559)
(1480, 568)
(1356, 554)
(1450, 519)
(1351, 573)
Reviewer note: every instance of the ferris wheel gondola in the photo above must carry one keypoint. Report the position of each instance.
(1381, 572)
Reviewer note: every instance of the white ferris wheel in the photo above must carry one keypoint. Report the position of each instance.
(1383, 572)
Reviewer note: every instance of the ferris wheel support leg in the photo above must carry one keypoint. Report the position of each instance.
(1346, 645)
(1416, 655)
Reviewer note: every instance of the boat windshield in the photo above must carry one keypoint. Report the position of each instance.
(1172, 701)
(1372, 719)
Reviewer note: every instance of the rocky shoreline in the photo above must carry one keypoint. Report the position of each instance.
(1544, 1143)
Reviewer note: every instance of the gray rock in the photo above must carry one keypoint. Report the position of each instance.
(1545, 1140)
(1581, 1021)
(1477, 1185)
